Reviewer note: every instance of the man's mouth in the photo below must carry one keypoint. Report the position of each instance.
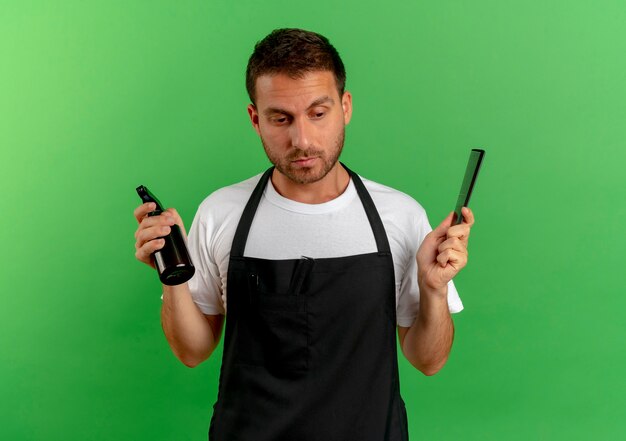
(304, 162)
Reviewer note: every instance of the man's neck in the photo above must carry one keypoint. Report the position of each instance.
(326, 189)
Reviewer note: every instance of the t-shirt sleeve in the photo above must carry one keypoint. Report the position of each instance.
(205, 285)
(409, 295)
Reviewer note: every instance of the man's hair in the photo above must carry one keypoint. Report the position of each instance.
(293, 52)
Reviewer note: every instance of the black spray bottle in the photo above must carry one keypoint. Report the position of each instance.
(172, 261)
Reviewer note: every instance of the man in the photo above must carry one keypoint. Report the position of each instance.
(315, 268)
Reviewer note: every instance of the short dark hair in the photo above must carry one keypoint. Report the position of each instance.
(293, 52)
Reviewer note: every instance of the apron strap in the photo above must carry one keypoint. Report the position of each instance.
(241, 234)
(382, 243)
(243, 228)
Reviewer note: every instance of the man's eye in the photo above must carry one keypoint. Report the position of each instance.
(279, 120)
(318, 114)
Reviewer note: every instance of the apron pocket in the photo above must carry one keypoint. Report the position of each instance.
(274, 333)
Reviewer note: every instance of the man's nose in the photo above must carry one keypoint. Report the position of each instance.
(301, 133)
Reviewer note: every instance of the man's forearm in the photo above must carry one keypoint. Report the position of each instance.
(428, 341)
(187, 330)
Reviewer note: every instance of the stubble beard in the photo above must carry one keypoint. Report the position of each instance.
(307, 175)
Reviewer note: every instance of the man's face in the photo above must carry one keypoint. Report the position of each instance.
(301, 123)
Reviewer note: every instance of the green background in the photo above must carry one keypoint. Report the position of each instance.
(99, 97)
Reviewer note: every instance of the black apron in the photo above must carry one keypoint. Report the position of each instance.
(310, 344)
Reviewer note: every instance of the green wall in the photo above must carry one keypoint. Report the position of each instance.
(99, 97)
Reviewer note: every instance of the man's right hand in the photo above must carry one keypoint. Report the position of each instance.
(151, 228)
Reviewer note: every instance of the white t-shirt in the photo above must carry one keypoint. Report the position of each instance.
(286, 229)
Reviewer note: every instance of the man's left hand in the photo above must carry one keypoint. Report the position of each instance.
(443, 253)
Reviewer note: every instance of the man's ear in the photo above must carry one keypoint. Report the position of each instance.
(254, 117)
(346, 104)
